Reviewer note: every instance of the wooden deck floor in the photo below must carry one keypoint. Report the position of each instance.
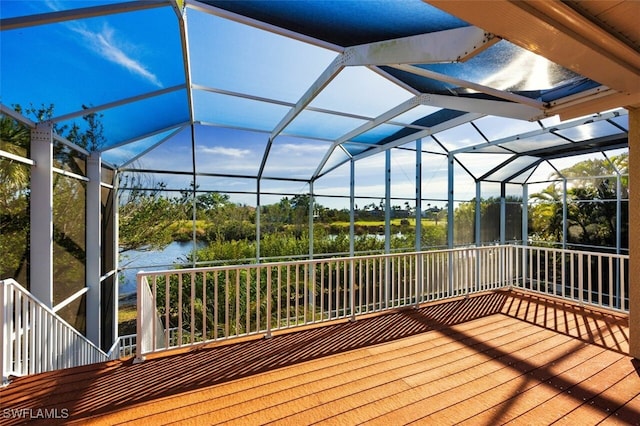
(503, 357)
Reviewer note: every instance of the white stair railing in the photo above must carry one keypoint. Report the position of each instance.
(35, 339)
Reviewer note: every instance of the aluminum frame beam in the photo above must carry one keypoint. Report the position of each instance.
(562, 126)
(454, 45)
(80, 13)
(536, 106)
(555, 31)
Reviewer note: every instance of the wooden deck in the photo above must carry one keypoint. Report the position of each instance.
(503, 357)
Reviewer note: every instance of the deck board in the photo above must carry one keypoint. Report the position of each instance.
(499, 358)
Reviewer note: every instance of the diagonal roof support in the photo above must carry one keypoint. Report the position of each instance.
(321, 82)
(567, 125)
(381, 119)
(513, 97)
(421, 134)
(151, 148)
(118, 103)
(443, 46)
(554, 30)
(455, 45)
(484, 106)
(498, 167)
(523, 170)
(80, 13)
(147, 135)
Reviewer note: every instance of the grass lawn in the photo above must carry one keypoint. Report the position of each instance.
(396, 222)
(127, 319)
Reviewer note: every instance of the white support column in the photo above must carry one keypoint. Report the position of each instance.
(450, 202)
(94, 244)
(352, 201)
(311, 208)
(478, 229)
(450, 219)
(419, 279)
(525, 231)
(387, 202)
(258, 221)
(564, 213)
(525, 214)
(41, 239)
(194, 194)
(503, 213)
(116, 252)
(387, 228)
(418, 206)
(618, 212)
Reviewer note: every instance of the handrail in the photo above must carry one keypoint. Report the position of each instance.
(35, 339)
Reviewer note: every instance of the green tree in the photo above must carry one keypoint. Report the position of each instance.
(14, 200)
(545, 214)
(591, 204)
(146, 216)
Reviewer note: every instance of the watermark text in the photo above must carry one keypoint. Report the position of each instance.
(35, 413)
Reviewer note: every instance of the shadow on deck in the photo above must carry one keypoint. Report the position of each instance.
(471, 359)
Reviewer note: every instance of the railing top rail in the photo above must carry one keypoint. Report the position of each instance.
(581, 252)
(313, 261)
(365, 257)
(10, 282)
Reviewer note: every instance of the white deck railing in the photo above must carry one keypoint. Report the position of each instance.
(593, 278)
(183, 307)
(217, 303)
(35, 339)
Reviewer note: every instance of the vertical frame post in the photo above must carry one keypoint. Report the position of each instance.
(564, 213)
(478, 215)
(387, 202)
(418, 201)
(5, 348)
(418, 216)
(41, 214)
(352, 214)
(93, 242)
(450, 219)
(503, 213)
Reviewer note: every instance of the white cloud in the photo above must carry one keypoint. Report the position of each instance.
(304, 149)
(53, 5)
(229, 152)
(105, 44)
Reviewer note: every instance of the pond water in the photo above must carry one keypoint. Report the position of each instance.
(149, 260)
(133, 261)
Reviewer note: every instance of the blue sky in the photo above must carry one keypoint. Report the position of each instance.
(70, 64)
(101, 60)
(67, 63)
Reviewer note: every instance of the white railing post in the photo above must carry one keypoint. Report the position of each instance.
(140, 318)
(418, 287)
(5, 338)
(269, 304)
(352, 292)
